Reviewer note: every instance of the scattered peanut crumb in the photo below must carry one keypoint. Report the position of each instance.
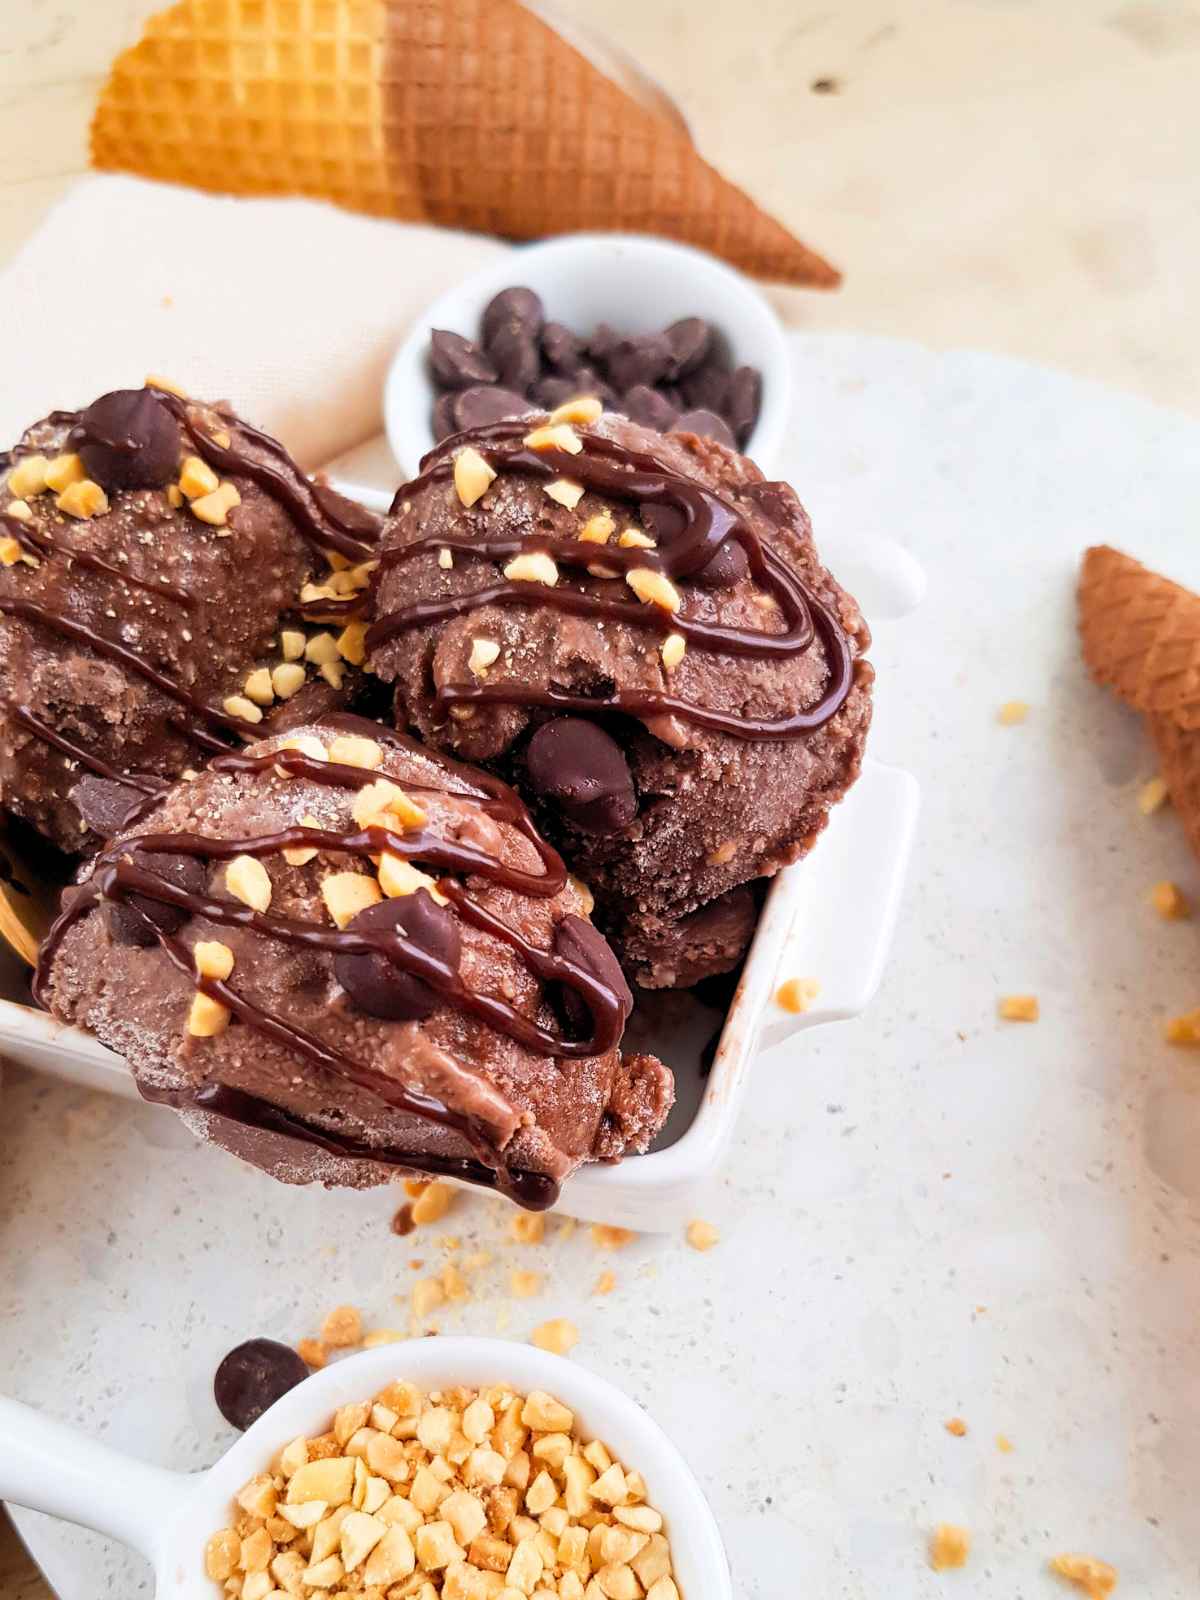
(558, 1336)
(1012, 712)
(605, 1283)
(525, 1285)
(1018, 1008)
(797, 994)
(342, 1327)
(1004, 1444)
(433, 1202)
(957, 1427)
(605, 1237)
(1096, 1578)
(722, 854)
(1184, 1030)
(1151, 796)
(949, 1547)
(702, 1235)
(528, 1227)
(1169, 901)
(378, 1336)
(312, 1352)
(427, 1294)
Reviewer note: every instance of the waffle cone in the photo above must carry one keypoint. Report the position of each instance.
(468, 113)
(1141, 635)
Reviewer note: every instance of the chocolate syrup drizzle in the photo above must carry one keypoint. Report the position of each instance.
(612, 470)
(117, 876)
(323, 520)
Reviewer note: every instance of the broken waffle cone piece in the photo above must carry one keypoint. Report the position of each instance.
(466, 113)
(1141, 636)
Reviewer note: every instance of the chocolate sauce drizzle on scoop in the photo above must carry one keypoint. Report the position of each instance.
(708, 520)
(120, 874)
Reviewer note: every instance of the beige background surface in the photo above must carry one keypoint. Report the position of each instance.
(1019, 175)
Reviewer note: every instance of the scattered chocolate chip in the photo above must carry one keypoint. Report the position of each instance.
(477, 407)
(127, 919)
(128, 440)
(708, 425)
(517, 308)
(252, 1377)
(650, 408)
(690, 340)
(586, 946)
(456, 362)
(514, 352)
(402, 1221)
(583, 771)
(551, 392)
(104, 803)
(561, 348)
(380, 987)
(727, 567)
(644, 359)
(444, 423)
(743, 401)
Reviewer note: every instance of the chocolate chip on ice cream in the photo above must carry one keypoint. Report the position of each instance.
(341, 956)
(151, 548)
(634, 629)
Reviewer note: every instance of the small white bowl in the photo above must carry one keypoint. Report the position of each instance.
(637, 284)
(169, 1516)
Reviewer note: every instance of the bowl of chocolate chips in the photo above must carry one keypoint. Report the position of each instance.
(665, 334)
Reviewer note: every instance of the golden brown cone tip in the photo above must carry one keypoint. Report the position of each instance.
(1141, 635)
(466, 113)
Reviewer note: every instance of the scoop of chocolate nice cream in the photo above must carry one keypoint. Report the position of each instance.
(340, 956)
(635, 629)
(149, 548)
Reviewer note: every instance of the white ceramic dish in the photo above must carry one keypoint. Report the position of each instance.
(830, 917)
(169, 1516)
(638, 285)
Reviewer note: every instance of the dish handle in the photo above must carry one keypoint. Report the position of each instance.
(845, 917)
(51, 1467)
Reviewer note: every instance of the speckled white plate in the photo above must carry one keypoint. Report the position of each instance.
(925, 1213)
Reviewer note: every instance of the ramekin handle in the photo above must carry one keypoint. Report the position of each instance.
(853, 885)
(50, 1467)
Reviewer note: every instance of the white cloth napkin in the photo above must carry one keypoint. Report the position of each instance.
(291, 309)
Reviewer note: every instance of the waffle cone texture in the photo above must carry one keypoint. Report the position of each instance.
(470, 114)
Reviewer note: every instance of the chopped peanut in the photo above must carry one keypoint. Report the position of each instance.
(525, 1285)
(605, 1283)
(674, 648)
(1018, 1008)
(528, 1227)
(321, 649)
(565, 492)
(957, 1427)
(352, 643)
(63, 471)
(383, 804)
(197, 478)
(586, 408)
(533, 566)
(352, 750)
(291, 644)
(83, 500)
(207, 1018)
(213, 959)
(654, 588)
(398, 877)
(554, 436)
(287, 678)
(558, 1336)
(1096, 1578)
(259, 688)
(1012, 712)
(1151, 796)
(607, 1237)
(28, 477)
(483, 655)
(301, 855)
(342, 1327)
(635, 539)
(433, 1202)
(702, 1235)
(1184, 1030)
(472, 475)
(949, 1547)
(347, 893)
(598, 529)
(1169, 901)
(248, 881)
(214, 508)
(797, 994)
(237, 705)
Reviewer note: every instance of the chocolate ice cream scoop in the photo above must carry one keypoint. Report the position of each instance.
(340, 955)
(151, 549)
(636, 630)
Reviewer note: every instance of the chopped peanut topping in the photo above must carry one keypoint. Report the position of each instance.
(11, 551)
(797, 994)
(287, 678)
(445, 559)
(1004, 1444)
(1012, 712)
(533, 566)
(307, 744)
(702, 1235)
(559, 1336)
(248, 881)
(598, 529)
(21, 510)
(214, 508)
(605, 1283)
(207, 1018)
(63, 471)
(586, 408)
(321, 649)
(153, 380)
(398, 877)
(383, 804)
(213, 959)
(433, 1202)
(1096, 1578)
(554, 436)
(525, 1285)
(674, 648)
(301, 855)
(472, 475)
(957, 1427)
(84, 499)
(949, 1547)
(352, 643)
(1151, 796)
(635, 539)
(28, 477)
(174, 495)
(291, 644)
(653, 588)
(528, 1227)
(342, 1327)
(237, 705)
(1169, 901)
(484, 653)
(606, 1237)
(347, 893)
(259, 688)
(723, 854)
(312, 1352)
(197, 478)
(1018, 1008)
(565, 492)
(352, 750)
(333, 672)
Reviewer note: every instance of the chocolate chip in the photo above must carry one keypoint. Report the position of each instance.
(456, 362)
(723, 570)
(708, 425)
(644, 359)
(707, 388)
(128, 440)
(562, 348)
(586, 946)
(252, 1377)
(663, 523)
(583, 771)
(690, 340)
(477, 407)
(127, 918)
(516, 308)
(444, 423)
(551, 392)
(105, 803)
(514, 353)
(602, 343)
(382, 988)
(743, 402)
(650, 408)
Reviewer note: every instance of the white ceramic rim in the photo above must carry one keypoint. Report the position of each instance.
(749, 324)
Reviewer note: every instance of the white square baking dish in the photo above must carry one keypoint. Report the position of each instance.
(830, 917)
